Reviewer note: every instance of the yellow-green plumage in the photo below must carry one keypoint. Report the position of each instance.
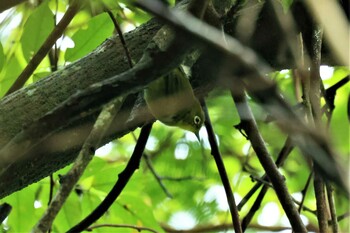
(170, 99)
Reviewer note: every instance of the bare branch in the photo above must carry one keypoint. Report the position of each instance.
(86, 154)
(123, 179)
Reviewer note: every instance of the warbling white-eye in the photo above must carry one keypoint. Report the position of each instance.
(171, 100)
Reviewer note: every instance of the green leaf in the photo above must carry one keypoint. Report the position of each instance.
(36, 30)
(99, 28)
(9, 74)
(2, 56)
(286, 4)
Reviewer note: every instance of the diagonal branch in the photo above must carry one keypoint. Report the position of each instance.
(123, 179)
(222, 171)
(86, 154)
(249, 125)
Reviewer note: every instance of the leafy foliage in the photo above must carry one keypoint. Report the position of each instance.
(182, 164)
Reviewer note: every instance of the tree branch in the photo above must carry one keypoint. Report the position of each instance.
(222, 171)
(123, 179)
(86, 154)
(138, 228)
(249, 125)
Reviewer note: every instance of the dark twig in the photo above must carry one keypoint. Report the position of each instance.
(285, 151)
(262, 181)
(45, 48)
(329, 96)
(123, 179)
(121, 37)
(52, 185)
(343, 216)
(222, 171)
(5, 210)
(178, 179)
(158, 178)
(137, 228)
(153, 171)
(305, 208)
(246, 220)
(304, 191)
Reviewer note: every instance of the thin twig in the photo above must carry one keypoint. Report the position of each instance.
(304, 191)
(181, 178)
(138, 228)
(46, 46)
(123, 179)
(86, 154)
(227, 227)
(222, 171)
(121, 37)
(343, 216)
(153, 171)
(158, 178)
(329, 96)
(305, 208)
(257, 203)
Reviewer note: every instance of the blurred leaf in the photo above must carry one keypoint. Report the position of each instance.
(70, 214)
(2, 57)
(9, 73)
(286, 4)
(37, 28)
(98, 29)
(39, 75)
(21, 202)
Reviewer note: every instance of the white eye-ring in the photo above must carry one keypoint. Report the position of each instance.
(197, 120)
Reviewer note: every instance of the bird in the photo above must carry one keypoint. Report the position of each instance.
(171, 100)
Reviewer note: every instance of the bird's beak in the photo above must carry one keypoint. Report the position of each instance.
(197, 135)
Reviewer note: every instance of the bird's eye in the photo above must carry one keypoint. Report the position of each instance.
(197, 120)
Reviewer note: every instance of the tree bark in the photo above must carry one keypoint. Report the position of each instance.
(28, 104)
